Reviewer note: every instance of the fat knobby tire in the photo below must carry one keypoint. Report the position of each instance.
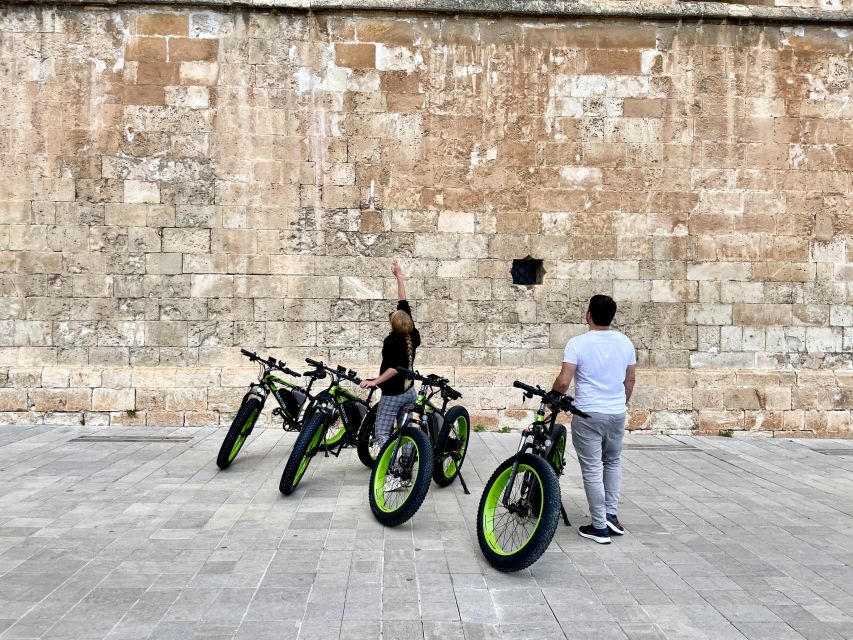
(420, 485)
(450, 419)
(301, 448)
(250, 405)
(544, 533)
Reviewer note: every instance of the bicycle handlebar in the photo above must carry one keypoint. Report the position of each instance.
(431, 380)
(518, 384)
(560, 401)
(341, 372)
(271, 362)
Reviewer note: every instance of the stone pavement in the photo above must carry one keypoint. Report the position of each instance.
(124, 540)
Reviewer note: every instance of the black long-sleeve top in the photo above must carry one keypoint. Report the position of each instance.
(395, 354)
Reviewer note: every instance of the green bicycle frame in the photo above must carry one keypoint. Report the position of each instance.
(540, 430)
(339, 395)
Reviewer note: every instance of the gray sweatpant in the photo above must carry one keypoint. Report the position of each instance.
(598, 444)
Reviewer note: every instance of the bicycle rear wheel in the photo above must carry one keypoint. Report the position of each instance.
(367, 447)
(451, 447)
(514, 533)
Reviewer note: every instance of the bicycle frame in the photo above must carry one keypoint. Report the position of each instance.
(423, 407)
(269, 384)
(541, 431)
(338, 395)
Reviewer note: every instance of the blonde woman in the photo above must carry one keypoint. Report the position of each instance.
(398, 350)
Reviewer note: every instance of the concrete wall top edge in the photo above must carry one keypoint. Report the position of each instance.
(674, 9)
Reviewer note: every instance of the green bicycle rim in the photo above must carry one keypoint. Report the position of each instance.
(243, 435)
(379, 483)
(460, 428)
(306, 458)
(336, 437)
(493, 500)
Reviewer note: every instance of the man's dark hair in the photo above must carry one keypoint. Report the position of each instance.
(602, 309)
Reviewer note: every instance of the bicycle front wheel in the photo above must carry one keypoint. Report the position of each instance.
(401, 476)
(239, 430)
(514, 533)
(306, 446)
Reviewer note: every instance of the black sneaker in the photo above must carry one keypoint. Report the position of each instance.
(597, 535)
(614, 525)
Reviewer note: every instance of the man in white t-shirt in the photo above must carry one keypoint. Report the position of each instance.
(602, 363)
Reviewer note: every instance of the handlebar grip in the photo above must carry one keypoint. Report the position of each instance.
(314, 363)
(518, 384)
(248, 354)
(452, 394)
(406, 372)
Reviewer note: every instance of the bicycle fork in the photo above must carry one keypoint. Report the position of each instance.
(522, 447)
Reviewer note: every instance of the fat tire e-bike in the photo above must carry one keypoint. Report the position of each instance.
(294, 404)
(521, 506)
(431, 443)
(335, 405)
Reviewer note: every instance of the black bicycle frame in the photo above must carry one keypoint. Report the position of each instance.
(421, 408)
(267, 383)
(339, 395)
(539, 444)
(541, 430)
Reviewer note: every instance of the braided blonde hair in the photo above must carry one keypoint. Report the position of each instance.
(401, 323)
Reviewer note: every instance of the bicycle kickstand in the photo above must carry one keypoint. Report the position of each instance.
(565, 515)
(464, 486)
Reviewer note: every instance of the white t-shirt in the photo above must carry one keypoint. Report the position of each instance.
(601, 357)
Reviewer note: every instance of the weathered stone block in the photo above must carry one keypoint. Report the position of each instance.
(51, 377)
(113, 400)
(709, 314)
(145, 49)
(186, 240)
(162, 24)
(193, 49)
(355, 56)
(186, 399)
(163, 263)
(13, 400)
(61, 399)
(166, 334)
(138, 191)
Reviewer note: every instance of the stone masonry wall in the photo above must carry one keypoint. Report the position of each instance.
(175, 184)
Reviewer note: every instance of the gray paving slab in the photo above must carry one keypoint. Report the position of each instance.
(735, 539)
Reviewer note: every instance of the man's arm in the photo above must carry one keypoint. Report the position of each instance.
(630, 378)
(564, 378)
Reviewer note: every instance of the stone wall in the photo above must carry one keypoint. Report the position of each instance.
(175, 184)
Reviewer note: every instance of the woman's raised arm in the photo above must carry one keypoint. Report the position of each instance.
(398, 273)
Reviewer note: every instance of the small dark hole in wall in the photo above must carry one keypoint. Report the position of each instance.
(527, 271)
